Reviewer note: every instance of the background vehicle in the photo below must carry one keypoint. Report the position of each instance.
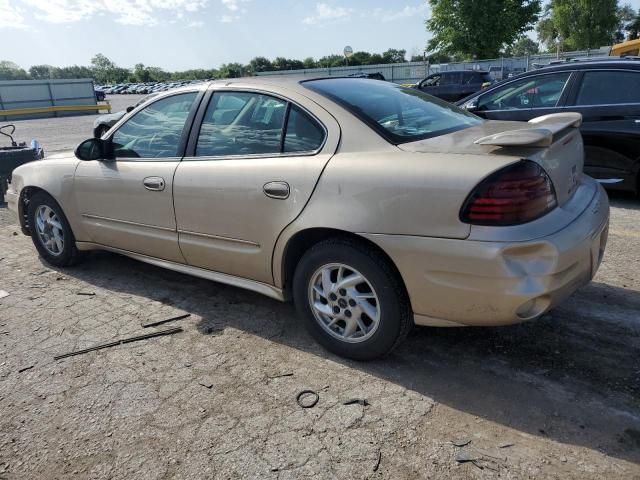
(372, 76)
(605, 92)
(320, 190)
(104, 122)
(14, 155)
(455, 84)
(628, 48)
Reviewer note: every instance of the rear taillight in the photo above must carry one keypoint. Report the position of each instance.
(516, 194)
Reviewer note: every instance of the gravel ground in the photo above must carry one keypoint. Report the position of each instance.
(561, 395)
(64, 133)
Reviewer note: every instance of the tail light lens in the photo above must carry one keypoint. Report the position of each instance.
(516, 194)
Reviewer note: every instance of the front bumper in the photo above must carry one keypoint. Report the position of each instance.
(487, 283)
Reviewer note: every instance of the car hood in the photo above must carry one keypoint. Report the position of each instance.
(109, 118)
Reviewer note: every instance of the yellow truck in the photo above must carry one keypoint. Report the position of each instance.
(626, 49)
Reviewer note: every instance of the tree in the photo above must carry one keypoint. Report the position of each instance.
(394, 56)
(522, 47)
(475, 29)
(260, 64)
(581, 24)
(103, 68)
(12, 71)
(231, 70)
(547, 32)
(39, 72)
(140, 73)
(309, 62)
(627, 17)
(633, 28)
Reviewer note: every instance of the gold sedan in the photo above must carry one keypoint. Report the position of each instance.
(373, 206)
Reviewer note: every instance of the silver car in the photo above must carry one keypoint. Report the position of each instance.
(373, 206)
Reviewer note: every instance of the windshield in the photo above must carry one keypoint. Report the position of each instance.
(397, 113)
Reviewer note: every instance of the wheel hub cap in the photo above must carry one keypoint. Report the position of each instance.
(344, 303)
(49, 230)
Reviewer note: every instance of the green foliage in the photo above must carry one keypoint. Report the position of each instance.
(522, 47)
(628, 23)
(474, 29)
(11, 71)
(579, 24)
(633, 28)
(394, 56)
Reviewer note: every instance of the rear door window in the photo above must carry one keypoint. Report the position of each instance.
(241, 123)
(451, 78)
(247, 123)
(609, 88)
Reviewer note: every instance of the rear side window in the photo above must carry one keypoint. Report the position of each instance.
(245, 123)
(453, 78)
(609, 88)
(303, 134)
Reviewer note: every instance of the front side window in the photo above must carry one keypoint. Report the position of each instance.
(397, 113)
(609, 88)
(433, 81)
(542, 91)
(155, 131)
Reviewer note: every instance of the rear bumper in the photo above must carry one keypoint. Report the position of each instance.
(486, 283)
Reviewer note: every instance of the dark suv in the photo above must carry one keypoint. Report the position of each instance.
(455, 84)
(605, 92)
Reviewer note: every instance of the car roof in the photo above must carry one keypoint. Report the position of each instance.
(463, 71)
(630, 64)
(617, 64)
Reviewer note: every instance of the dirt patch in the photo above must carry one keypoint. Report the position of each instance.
(556, 398)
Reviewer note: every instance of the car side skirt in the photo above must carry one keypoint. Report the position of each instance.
(253, 285)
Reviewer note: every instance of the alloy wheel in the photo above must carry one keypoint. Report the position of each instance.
(49, 229)
(344, 303)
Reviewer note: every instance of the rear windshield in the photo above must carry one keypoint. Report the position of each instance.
(397, 113)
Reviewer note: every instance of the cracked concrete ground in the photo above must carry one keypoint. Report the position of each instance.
(561, 395)
(219, 399)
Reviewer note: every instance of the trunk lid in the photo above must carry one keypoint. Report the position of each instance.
(552, 141)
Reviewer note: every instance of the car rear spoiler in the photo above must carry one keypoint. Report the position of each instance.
(542, 133)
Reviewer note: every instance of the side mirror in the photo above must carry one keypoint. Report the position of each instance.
(471, 105)
(130, 109)
(94, 149)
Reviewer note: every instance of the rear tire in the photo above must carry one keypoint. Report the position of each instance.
(50, 231)
(364, 319)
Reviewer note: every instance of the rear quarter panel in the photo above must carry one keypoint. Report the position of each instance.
(399, 193)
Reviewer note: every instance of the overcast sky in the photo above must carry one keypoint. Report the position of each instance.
(181, 34)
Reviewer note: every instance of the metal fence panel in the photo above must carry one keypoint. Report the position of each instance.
(412, 72)
(17, 94)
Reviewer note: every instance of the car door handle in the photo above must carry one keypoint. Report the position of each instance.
(279, 190)
(155, 184)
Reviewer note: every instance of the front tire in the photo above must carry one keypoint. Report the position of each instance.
(351, 300)
(50, 231)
